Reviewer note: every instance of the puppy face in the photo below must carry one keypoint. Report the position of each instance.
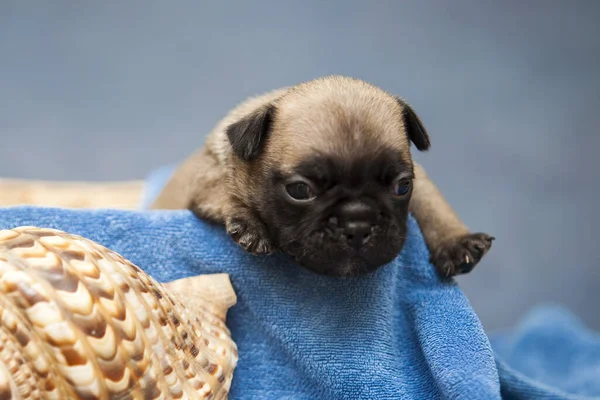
(340, 216)
(332, 173)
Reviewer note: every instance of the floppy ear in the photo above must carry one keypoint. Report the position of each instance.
(248, 135)
(414, 127)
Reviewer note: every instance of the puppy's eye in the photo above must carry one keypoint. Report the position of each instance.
(299, 191)
(402, 187)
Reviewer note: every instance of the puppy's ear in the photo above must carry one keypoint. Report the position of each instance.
(248, 135)
(414, 127)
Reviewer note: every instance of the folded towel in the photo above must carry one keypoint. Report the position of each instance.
(399, 333)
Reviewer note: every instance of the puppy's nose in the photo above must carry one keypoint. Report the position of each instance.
(357, 233)
(357, 218)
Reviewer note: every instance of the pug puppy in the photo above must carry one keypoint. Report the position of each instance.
(323, 171)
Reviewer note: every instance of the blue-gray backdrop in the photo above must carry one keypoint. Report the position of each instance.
(509, 91)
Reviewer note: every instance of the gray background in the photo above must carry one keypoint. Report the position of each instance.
(509, 91)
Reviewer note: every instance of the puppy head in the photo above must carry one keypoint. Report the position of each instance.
(332, 171)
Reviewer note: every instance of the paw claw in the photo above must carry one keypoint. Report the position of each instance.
(234, 229)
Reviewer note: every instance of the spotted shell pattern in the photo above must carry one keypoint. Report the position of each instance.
(78, 321)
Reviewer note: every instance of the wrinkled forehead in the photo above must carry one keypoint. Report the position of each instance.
(343, 128)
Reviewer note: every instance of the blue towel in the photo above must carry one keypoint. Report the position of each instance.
(399, 333)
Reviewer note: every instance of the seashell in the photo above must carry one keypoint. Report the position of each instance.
(78, 321)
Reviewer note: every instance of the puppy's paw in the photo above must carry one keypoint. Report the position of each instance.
(250, 233)
(460, 255)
